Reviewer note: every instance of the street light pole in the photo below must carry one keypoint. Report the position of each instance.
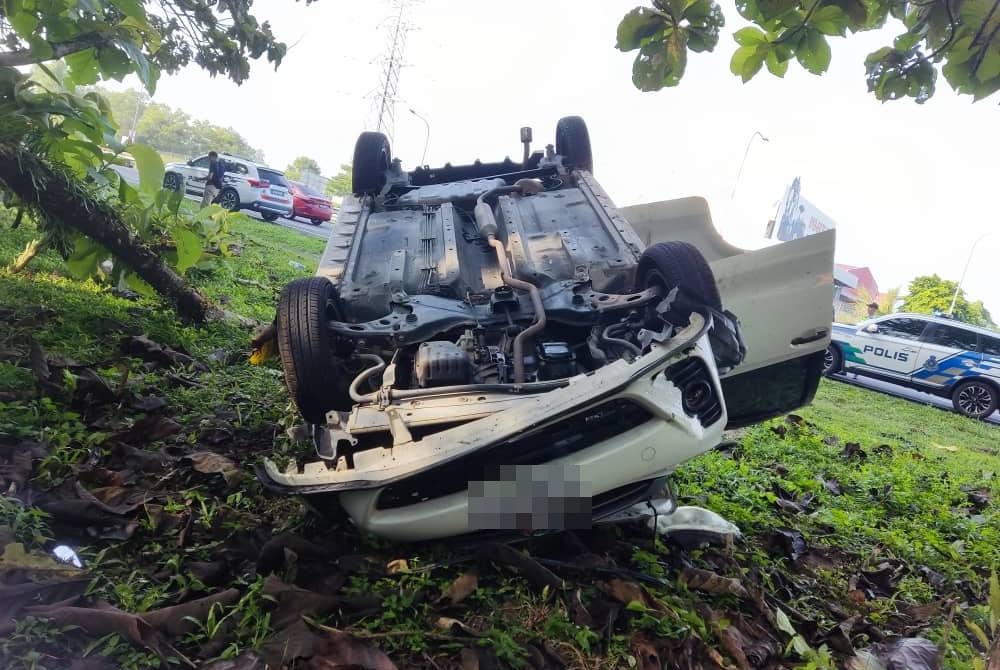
(746, 153)
(958, 287)
(427, 136)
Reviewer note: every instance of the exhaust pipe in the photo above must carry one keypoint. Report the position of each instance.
(488, 228)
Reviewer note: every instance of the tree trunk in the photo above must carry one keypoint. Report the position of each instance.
(59, 199)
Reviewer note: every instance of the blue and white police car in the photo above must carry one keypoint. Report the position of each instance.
(926, 353)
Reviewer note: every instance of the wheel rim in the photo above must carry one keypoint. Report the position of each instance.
(827, 359)
(228, 200)
(975, 399)
(172, 182)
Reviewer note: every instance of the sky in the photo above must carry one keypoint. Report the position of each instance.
(910, 187)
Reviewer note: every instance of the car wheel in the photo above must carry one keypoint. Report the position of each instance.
(313, 376)
(833, 360)
(975, 398)
(317, 222)
(679, 265)
(172, 181)
(270, 216)
(573, 143)
(372, 158)
(229, 199)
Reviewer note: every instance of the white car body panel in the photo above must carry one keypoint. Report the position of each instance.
(780, 293)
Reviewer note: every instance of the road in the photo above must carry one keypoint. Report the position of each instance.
(321, 231)
(905, 393)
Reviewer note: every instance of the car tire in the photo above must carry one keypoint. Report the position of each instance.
(573, 143)
(229, 199)
(316, 222)
(270, 217)
(315, 381)
(372, 158)
(833, 360)
(172, 181)
(976, 399)
(679, 265)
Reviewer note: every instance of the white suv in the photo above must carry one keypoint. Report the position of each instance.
(927, 353)
(246, 185)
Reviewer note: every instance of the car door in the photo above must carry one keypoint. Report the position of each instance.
(197, 172)
(888, 346)
(946, 352)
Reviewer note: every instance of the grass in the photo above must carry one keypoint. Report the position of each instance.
(864, 505)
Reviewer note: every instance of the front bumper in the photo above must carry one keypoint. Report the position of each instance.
(620, 427)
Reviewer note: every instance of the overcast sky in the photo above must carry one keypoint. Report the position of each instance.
(909, 186)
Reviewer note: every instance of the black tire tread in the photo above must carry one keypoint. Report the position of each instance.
(993, 390)
(681, 264)
(838, 360)
(305, 348)
(218, 198)
(573, 142)
(372, 157)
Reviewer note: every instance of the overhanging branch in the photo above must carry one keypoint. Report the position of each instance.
(59, 50)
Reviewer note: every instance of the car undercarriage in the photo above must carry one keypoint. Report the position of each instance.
(494, 347)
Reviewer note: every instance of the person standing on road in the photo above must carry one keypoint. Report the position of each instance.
(872, 309)
(213, 182)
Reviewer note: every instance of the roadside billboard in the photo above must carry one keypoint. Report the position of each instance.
(797, 217)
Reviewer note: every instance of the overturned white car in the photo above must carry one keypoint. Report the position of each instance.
(497, 346)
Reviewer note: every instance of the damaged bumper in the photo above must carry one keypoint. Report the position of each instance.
(559, 458)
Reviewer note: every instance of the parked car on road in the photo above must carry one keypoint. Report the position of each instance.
(247, 185)
(496, 325)
(309, 204)
(932, 354)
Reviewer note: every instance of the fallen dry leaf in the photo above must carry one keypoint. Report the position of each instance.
(176, 620)
(397, 566)
(208, 462)
(292, 602)
(15, 464)
(101, 621)
(461, 588)
(454, 627)
(339, 650)
(709, 582)
(645, 654)
(627, 592)
(907, 653)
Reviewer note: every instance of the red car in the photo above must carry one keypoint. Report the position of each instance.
(309, 204)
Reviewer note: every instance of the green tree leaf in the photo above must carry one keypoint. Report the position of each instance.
(638, 25)
(830, 20)
(747, 61)
(749, 36)
(188, 248)
(149, 165)
(775, 65)
(989, 66)
(132, 8)
(814, 52)
(86, 257)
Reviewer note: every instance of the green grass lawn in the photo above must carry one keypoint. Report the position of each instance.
(863, 517)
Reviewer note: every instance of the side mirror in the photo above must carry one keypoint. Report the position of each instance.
(191, 163)
(871, 328)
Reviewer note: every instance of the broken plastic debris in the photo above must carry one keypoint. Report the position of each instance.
(686, 523)
(67, 555)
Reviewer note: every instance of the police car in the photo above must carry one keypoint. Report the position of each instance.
(927, 353)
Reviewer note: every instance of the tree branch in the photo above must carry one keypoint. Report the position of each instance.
(59, 50)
